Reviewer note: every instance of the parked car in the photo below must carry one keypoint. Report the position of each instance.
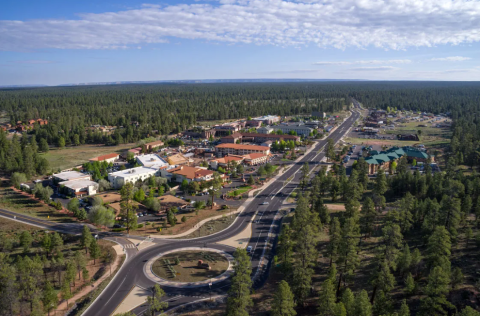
(249, 249)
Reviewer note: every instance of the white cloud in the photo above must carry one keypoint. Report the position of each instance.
(364, 62)
(452, 58)
(388, 24)
(380, 68)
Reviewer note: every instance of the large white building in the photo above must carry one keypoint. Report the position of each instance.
(151, 161)
(69, 176)
(80, 187)
(120, 178)
(299, 128)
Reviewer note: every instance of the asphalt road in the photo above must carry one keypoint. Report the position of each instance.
(132, 273)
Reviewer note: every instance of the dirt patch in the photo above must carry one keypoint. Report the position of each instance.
(212, 227)
(187, 268)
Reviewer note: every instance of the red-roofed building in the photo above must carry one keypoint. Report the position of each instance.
(108, 158)
(223, 162)
(187, 173)
(238, 149)
(255, 159)
(231, 139)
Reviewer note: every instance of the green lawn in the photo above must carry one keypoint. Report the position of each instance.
(70, 157)
(240, 190)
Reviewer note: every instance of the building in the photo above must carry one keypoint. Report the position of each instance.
(79, 187)
(223, 162)
(383, 159)
(69, 176)
(151, 161)
(238, 149)
(232, 139)
(187, 173)
(120, 178)
(264, 130)
(152, 145)
(268, 119)
(177, 160)
(135, 151)
(267, 143)
(261, 138)
(299, 128)
(413, 137)
(253, 123)
(319, 114)
(108, 158)
(256, 159)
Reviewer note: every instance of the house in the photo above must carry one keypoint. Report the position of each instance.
(223, 162)
(136, 151)
(31, 122)
(177, 159)
(187, 173)
(264, 130)
(119, 178)
(267, 143)
(232, 139)
(79, 188)
(109, 158)
(168, 202)
(256, 159)
(69, 176)
(238, 149)
(152, 145)
(151, 161)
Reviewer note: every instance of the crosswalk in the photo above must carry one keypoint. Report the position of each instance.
(129, 246)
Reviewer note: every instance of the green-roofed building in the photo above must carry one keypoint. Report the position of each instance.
(384, 159)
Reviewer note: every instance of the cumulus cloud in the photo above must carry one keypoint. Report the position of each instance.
(453, 58)
(364, 62)
(388, 24)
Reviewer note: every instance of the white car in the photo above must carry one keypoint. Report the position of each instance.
(265, 203)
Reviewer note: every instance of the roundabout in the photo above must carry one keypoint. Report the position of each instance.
(189, 267)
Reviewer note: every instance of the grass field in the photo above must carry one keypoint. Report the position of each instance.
(239, 191)
(188, 270)
(19, 203)
(70, 157)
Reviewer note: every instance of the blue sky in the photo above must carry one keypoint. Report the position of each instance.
(57, 42)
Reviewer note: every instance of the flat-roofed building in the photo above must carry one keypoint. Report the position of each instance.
(69, 176)
(238, 149)
(261, 138)
(151, 161)
(153, 145)
(177, 160)
(268, 119)
(108, 158)
(120, 178)
(265, 130)
(80, 187)
(299, 128)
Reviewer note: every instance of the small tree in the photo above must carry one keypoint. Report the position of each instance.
(85, 274)
(251, 181)
(17, 179)
(156, 305)
(65, 290)
(86, 238)
(410, 285)
(26, 240)
(73, 205)
(184, 219)
(49, 297)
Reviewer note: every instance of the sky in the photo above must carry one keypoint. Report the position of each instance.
(55, 42)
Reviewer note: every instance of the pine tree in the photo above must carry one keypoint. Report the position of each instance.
(47, 243)
(283, 302)
(380, 183)
(94, 250)
(65, 290)
(154, 301)
(404, 260)
(410, 284)
(369, 216)
(25, 240)
(437, 288)
(383, 280)
(382, 304)
(49, 298)
(128, 207)
(468, 311)
(362, 304)
(439, 246)
(335, 239)
(457, 278)
(86, 238)
(285, 250)
(404, 310)
(239, 299)
(327, 305)
(340, 309)
(348, 254)
(348, 301)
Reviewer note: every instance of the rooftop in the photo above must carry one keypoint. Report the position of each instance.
(254, 156)
(177, 159)
(191, 172)
(78, 184)
(105, 157)
(70, 175)
(152, 161)
(244, 147)
(132, 172)
(266, 117)
(227, 159)
(155, 143)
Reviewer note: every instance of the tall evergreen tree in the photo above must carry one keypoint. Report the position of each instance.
(283, 301)
(239, 299)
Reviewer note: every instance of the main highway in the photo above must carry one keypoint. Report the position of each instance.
(265, 223)
(263, 215)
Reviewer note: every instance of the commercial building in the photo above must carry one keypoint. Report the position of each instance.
(268, 119)
(177, 160)
(299, 128)
(69, 176)
(265, 130)
(238, 149)
(152, 145)
(110, 158)
(255, 159)
(79, 187)
(383, 159)
(232, 139)
(187, 173)
(223, 162)
(151, 161)
(261, 138)
(120, 178)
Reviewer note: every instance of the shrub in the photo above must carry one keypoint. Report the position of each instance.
(121, 229)
(224, 207)
(159, 229)
(184, 219)
(139, 225)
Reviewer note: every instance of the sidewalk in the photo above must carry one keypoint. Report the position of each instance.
(62, 307)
